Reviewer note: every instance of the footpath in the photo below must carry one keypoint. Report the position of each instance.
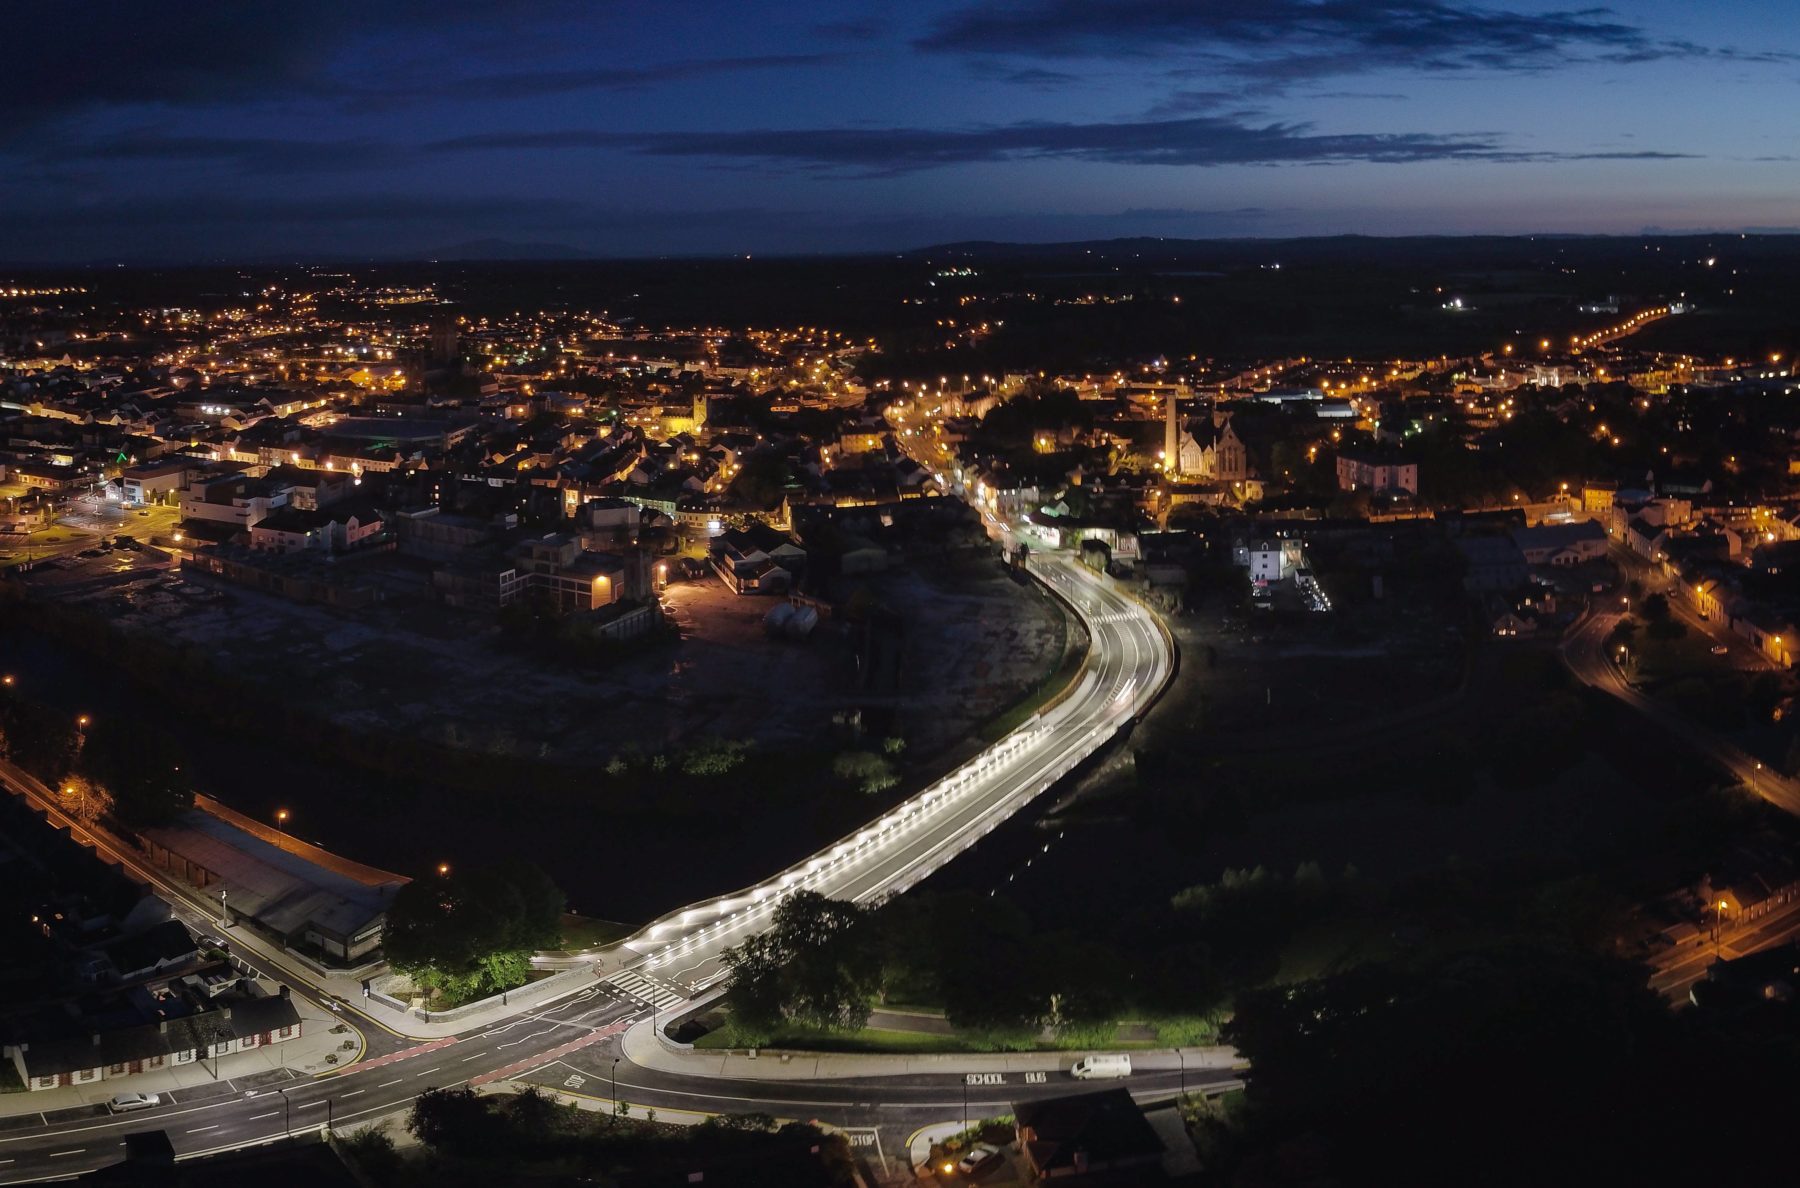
(646, 1047)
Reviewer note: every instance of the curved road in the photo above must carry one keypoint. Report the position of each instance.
(1585, 652)
(1129, 660)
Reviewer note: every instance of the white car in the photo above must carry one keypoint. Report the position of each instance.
(124, 1103)
(979, 1158)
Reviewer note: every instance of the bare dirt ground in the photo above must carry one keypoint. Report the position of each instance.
(975, 643)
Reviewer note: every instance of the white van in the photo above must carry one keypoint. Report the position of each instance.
(1101, 1068)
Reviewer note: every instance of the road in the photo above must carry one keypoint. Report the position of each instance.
(1129, 660)
(576, 1042)
(1587, 655)
(674, 958)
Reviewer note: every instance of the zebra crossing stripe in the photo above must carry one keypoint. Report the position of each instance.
(645, 990)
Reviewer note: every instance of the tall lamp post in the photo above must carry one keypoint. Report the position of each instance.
(615, 1084)
(1182, 1056)
(288, 1112)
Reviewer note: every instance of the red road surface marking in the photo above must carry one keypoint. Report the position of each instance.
(406, 1054)
(554, 1054)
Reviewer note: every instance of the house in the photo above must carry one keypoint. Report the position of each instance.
(1085, 1133)
(1381, 471)
(153, 482)
(170, 1026)
(338, 530)
(757, 560)
(1512, 624)
(1562, 544)
(160, 947)
(1770, 975)
(1494, 564)
(1267, 558)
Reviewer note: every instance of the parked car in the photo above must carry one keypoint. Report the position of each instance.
(144, 513)
(1719, 649)
(979, 1159)
(124, 1103)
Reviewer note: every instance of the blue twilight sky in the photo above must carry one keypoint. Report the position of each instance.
(136, 129)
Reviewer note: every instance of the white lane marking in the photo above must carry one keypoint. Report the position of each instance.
(385, 1084)
(477, 1056)
(426, 1073)
(203, 1129)
(260, 1117)
(310, 1105)
(354, 1092)
(60, 1154)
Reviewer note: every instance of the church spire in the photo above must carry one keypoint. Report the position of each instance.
(1171, 436)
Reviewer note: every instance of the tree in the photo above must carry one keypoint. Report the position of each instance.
(818, 965)
(1656, 608)
(471, 933)
(871, 773)
(453, 1120)
(43, 741)
(141, 769)
(1459, 1036)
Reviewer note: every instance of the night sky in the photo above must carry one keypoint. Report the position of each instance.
(141, 131)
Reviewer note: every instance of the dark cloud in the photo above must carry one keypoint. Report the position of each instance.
(65, 57)
(1287, 40)
(245, 153)
(526, 83)
(1040, 79)
(1195, 141)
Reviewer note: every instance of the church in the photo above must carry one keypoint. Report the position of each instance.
(1203, 449)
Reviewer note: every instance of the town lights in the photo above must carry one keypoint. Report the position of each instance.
(443, 869)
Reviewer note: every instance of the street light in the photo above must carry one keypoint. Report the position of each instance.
(443, 869)
(615, 1084)
(281, 816)
(288, 1107)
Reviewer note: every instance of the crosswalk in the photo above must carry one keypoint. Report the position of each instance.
(645, 989)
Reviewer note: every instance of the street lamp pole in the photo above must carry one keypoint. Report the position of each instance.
(288, 1112)
(965, 1101)
(615, 1084)
(1182, 1056)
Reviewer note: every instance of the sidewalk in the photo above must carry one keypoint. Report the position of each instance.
(644, 1047)
(264, 1068)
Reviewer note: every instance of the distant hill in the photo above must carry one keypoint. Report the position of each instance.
(502, 249)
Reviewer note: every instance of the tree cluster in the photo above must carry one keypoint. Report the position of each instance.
(471, 933)
(484, 1139)
(129, 769)
(826, 964)
(1508, 1064)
